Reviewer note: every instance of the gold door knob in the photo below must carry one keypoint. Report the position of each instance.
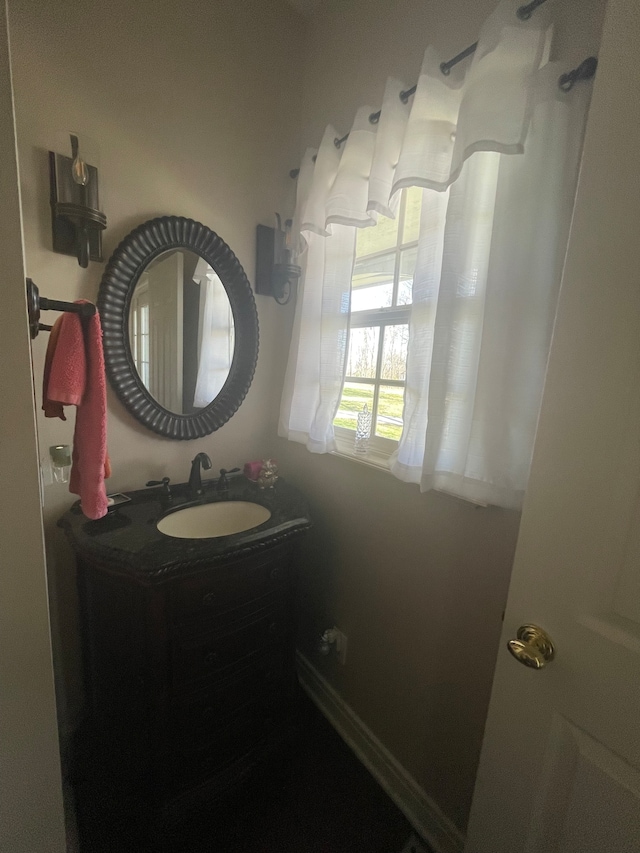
(533, 647)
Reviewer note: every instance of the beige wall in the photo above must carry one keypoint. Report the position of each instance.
(31, 819)
(417, 582)
(194, 108)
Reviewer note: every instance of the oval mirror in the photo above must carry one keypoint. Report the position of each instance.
(180, 327)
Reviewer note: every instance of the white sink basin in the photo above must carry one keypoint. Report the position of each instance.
(207, 521)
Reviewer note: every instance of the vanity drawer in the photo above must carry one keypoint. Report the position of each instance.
(231, 619)
(226, 587)
(204, 656)
(195, 720)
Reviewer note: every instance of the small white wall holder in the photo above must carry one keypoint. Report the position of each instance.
(334, 637)
(60, 457)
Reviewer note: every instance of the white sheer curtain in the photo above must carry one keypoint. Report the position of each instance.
(496, 148)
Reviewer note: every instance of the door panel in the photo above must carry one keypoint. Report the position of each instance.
(166, 344)
(626, 602)
(560, 764)
(587, 800)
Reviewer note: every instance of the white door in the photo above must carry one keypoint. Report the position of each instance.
(31, 811)
(165, 330)
(560, 765)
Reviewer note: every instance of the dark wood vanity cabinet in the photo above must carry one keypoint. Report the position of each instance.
(190, 682)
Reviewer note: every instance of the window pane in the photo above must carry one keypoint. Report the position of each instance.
(354, 396)
(372, 283)
(377, 238)
(390, 405)
(372, 298)
(394, 352)
(363, 352)
(412, 214)
(408, 260)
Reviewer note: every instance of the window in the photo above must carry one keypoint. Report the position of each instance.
(481, 296)
(381, 296)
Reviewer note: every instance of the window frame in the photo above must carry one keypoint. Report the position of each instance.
(380, 448)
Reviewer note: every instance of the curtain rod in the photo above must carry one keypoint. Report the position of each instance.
(584, 71)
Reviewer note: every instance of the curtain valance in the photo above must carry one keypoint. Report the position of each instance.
(496, 150)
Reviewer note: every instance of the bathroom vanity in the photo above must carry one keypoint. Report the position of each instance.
(188, 647)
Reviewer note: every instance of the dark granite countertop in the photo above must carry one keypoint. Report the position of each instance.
(127, 541)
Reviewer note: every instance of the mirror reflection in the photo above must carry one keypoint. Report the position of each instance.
(181, 331)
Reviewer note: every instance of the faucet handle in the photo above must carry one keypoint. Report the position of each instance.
(164, 482)
(222, 484)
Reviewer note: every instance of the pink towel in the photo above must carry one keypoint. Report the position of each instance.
(77, 378)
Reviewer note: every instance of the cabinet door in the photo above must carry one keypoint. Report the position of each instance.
(114, 634)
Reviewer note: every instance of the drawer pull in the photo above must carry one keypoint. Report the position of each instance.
(275, 574)
(211, 658)
(273, 628)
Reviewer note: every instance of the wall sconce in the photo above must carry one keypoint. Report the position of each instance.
(276, 274)
(76, 219)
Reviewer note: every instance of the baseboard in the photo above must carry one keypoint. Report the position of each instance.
(419, 809)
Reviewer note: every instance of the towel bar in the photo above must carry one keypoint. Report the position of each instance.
(37, 303)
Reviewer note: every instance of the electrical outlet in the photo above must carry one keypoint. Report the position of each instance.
(414, 845)
(341, 646)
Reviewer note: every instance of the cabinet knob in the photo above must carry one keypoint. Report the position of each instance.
(273, 628)
(208, 599)
(211, 658)
(275, 573)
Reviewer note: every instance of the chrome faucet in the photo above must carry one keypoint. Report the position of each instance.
(195, 479)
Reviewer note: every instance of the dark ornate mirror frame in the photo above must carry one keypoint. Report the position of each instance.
(138, 248)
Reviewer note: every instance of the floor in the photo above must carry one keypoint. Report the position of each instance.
(325, 802)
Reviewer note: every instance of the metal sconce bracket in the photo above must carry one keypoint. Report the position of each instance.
(76, 220)
(275, 274)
